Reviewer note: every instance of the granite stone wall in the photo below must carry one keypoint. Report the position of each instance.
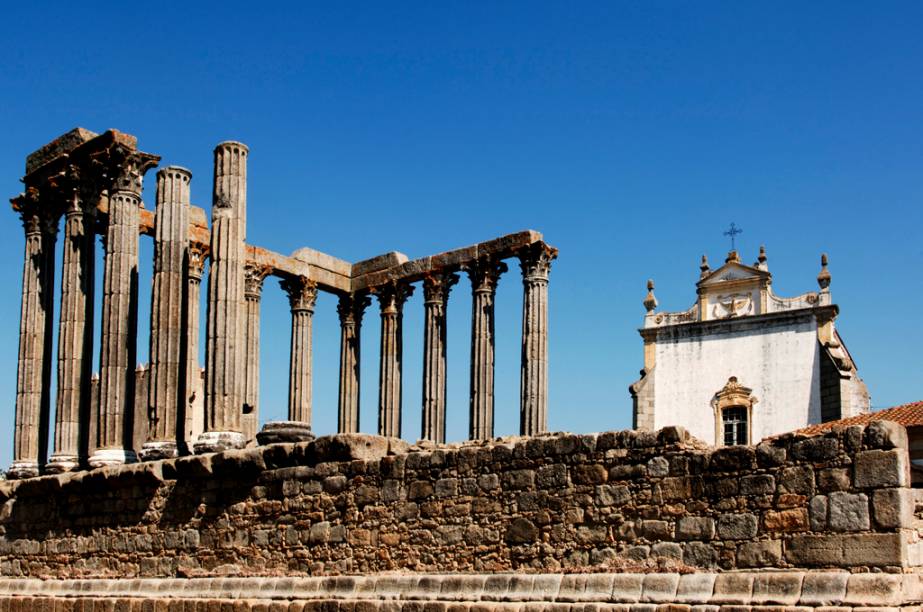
(357, 504)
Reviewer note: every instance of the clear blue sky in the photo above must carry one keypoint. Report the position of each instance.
(630, 133)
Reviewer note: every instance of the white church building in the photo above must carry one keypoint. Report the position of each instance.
(743, 363)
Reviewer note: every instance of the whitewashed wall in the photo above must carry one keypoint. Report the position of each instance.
(781, 365)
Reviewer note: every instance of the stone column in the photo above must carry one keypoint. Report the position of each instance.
(193, 417)
(350, 308)
(33, 379)
(254, 276)
(224, 353)
(75, 327)
(167, 373)
(484, 274)
(391, 298)
(535, 263)
(302, 294)
(115, 424)
(436, 288)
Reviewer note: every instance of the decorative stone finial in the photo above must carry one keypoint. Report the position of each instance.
(823, 279)
(762, 258)
(732, 256)
(703, 267)
(650, 302)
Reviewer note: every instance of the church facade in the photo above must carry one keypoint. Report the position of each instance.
(742, 363)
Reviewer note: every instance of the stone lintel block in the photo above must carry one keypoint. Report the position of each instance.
(881, 468)
(874, 590)
(846, 550)
(695, 588)
(660, 588)
(197, 217)
(823, 588)
(732, 588)
(782, 588)
(454, 258)
(627, 588)
(62, 145)
(323, 260)
(376, 264)
(505, 246)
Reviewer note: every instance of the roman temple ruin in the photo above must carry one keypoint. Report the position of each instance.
(94, 184)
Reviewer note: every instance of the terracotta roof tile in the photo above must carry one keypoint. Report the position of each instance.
(907, 415)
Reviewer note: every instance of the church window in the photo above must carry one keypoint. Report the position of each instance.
(734, 420)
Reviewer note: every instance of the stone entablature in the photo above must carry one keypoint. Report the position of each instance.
(360, 504)
(172, 407)
(781, 348)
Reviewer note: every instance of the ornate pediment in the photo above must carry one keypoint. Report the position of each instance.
(733, 271)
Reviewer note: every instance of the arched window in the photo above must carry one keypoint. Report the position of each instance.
(733, 413)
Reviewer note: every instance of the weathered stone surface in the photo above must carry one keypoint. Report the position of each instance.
(874, 549)
(893, 508)
(737, 526)
(695, 528)
(848, 511)
(765, 553)
(823, 589)
(886, 435)
(881, 468)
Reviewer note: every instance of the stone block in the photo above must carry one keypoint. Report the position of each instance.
(659, 588)
(521, 531)
(799, 480)
(846, 550)
(881, 468)
(695, 528)
(792, 519)
(612, 495)
(847, 511)
(834, 479)
(782, 588)
(349, 446)
(818, 512)
(656, 530)
(667, 550)
(545, 586)
(658, 467)
(733, 459)
(699, 554)
(816, 449)
(886, 435)
(695, 588)
(741, 526)
(732, 588)
(627, 588)
(823, 588)
(592, 474)
(764, 553)
(598, 587)
(893, 508)
(874, 590)
(757, 484)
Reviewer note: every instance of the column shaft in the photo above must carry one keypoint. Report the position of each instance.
(391, 299)
(535, 263)
(34, 366)
(253, 288)
(115, 423)
(484, 275)
(224, 357)
(350, 308)
(302, 294)
(75, 327)
(167, 374)
(436, 288)
(193, 416)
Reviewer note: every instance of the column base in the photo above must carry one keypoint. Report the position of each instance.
(157, 450)
(59, 464)
(218, 441)
(23, 468)
(277, 432)
(105, 457)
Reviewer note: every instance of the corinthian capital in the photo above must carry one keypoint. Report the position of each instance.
(254, 275)
(198, 253)
(391, 296)
(302, 293)
(535, 261)
(436, 286)
(351, 307)
(485, 274)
